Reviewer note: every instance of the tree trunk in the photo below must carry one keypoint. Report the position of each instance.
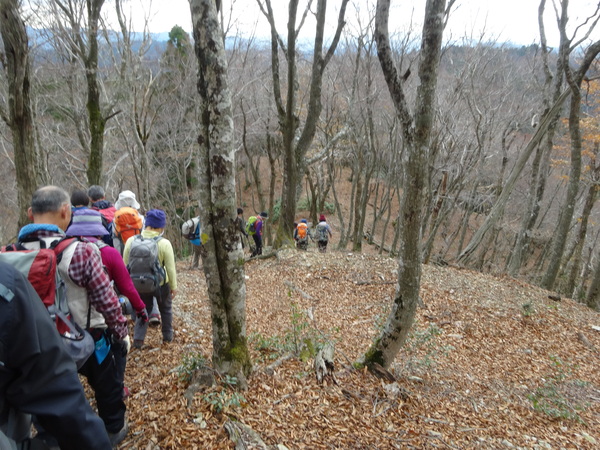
(296, 146)
(498, 208)
(20, 114)
(416, 133)
(342, 228)
(95, 116)
(222, 256)
(541, 162)
(574, 255)
(560, 237)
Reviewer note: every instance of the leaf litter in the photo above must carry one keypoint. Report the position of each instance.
(479, 351)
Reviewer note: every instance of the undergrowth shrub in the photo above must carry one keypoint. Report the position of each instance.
(551, 398)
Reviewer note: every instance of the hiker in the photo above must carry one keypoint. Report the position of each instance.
(323, 233)
(254, 228)
(79, 199)
(240, 224)
(87, 223)
(166, 288)
(127, 221)
(92, 303)
(190, 230)
(301, 235)
(38, 376)
(98, 199)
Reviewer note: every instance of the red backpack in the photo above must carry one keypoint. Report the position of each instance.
(40, 266)
(107, 213)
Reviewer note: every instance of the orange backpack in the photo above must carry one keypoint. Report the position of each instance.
(127, 223)
(302, 231)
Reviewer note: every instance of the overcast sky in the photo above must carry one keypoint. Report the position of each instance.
(507, 20)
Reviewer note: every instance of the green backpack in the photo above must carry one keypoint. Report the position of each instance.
(251, 225)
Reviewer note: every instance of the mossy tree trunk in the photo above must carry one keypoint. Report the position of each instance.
(95, 115)
(222, 256)
(416, 130)
(19, 116)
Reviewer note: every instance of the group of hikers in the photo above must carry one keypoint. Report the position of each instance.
(80, 262)
(302, 233)
(321, 234)
(67, 285)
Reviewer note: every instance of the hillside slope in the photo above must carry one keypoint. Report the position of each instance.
(481, 349)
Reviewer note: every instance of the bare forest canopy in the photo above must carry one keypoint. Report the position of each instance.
(490, 99)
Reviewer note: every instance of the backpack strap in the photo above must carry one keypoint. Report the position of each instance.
(60, 246)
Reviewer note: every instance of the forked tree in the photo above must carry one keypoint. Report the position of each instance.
(298, 128)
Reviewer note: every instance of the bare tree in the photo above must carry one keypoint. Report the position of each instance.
(19, 118)
(297, 140)
(574, 80)
(80, 23)
(553, 84)
(416, 129)
(222, 252)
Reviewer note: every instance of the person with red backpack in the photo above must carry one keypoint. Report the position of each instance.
(92, 302)
(98, 199)
(38, 376)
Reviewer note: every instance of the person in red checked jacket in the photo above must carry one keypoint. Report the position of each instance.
(87, 223)
(92, 303)
(38, 376)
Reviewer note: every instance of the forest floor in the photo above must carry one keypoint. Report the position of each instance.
(490, 363)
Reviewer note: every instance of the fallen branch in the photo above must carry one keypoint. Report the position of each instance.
(270, 369)
(263, 256)
(367, 238)
(297, 289)
(367, 283)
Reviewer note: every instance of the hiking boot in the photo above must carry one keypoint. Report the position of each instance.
(118, 437)
(154, 320)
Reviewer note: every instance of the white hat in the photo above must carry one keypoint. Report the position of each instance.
(127, 198)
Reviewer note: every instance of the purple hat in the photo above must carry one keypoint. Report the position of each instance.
(156, 218)
(86, 222)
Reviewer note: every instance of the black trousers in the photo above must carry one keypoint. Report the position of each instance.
(322, 246)
(258, 245)
(106, 379)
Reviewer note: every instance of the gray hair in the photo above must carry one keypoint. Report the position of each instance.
(48, 199)
(95, 193)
